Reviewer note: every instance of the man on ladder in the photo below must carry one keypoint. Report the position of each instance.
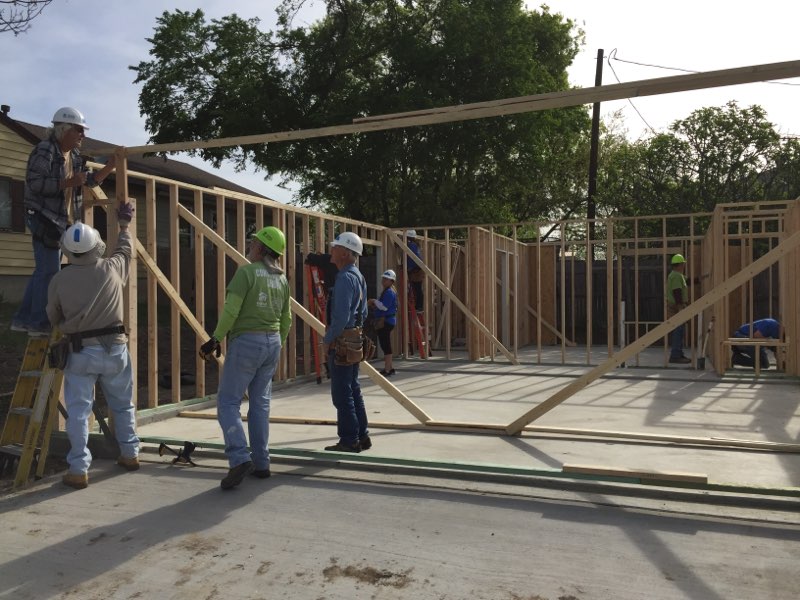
(85, 301)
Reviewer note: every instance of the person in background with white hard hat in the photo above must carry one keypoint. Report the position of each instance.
(256, 318)
(385, 307)
(85, 301)
(53, 180)
(415, 275)
(347, 310)
(677, 299)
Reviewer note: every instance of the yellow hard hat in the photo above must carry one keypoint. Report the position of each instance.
(678, 259)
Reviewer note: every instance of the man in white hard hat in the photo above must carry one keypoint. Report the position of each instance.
(85, 301)
(347, 310)
(53, 180)
(385, 307)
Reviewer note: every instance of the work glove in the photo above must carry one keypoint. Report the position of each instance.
(125, 213)
(210, 348)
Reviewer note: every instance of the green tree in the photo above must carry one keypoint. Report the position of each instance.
(716, 154)
(227, 78)
(730, 148)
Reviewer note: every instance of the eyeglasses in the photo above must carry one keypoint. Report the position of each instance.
(78, 128)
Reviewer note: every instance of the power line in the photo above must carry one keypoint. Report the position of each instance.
(611, 55)
(641, 64)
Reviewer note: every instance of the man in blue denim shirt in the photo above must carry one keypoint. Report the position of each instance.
(347, 310)
(53, 180)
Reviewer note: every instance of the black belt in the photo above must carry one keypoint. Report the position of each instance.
(77, 338)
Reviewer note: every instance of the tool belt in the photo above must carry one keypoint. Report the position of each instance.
(352, 346)
(76, 339)
(58, 353)
(380, 322)
(44, 230)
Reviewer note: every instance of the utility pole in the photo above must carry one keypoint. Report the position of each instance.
(593, 150)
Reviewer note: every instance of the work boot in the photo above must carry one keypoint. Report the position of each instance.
(261, 473)
(236, 475)
(365, 443)
(130, 463)
(78, 481)
(342, 447)
(680, 360)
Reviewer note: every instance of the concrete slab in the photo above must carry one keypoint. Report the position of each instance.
(170, 532)
(650, 400)
(329, 529)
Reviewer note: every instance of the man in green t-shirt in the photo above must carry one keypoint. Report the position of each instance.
(677, 299)
(256, 318)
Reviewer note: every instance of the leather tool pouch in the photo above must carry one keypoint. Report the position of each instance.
(348, 352)
(367, 348)
(349, 347)
(59, 353)
(46, 232)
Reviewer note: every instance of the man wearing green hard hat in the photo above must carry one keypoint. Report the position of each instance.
(677, 299)
(256, 318)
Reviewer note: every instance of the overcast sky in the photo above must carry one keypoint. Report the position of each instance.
(78, 51)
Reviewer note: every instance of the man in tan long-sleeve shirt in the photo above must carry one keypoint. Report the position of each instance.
(85, 301)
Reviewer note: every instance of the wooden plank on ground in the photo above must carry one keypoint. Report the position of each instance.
(635, 473)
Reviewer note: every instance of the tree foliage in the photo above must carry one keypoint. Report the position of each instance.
(16, 15)
(226, 78)
(716, 154)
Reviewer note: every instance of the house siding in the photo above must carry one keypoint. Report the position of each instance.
(16, 255)
(14, 153)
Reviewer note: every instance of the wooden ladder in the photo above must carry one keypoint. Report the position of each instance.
(32, 413)
(319, 302)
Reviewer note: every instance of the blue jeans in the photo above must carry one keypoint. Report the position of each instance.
(249, 365)
(112, 370)
(676, 341)
(746, 355)
(419, 298)
(32, 312)
(351, 414)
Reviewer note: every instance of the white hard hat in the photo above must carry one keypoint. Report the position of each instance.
(350, 241)
(67, 114)
(80, 238)
(411, 233)
(389, 274)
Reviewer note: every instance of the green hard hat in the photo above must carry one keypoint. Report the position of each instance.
(678, 259)
(272, 238)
